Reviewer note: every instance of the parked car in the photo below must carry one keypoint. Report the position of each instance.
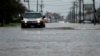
(87, 21)
(31, 19)
(61, 21)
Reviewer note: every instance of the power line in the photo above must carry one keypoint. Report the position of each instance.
(48, 2)
(52, 4)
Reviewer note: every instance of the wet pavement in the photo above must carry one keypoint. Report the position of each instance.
(54, 40)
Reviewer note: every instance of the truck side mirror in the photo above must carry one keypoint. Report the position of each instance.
(43, 17)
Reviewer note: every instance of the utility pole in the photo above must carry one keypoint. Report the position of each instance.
(76, 6)
(41, 6)
(71, 16)
(28, 4)
(74, 14)
(94, 12)
(83, 9)
(80, 11)
(37, 5)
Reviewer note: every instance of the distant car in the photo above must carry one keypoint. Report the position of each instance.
(87, 21)
(31, 19)
(61, 21)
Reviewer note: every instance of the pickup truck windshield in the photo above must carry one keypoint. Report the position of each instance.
(32, 15)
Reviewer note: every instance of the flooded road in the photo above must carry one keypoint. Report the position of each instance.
(49, 41)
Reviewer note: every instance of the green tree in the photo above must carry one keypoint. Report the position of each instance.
(57, 16)
(98, 12)
(9, 9)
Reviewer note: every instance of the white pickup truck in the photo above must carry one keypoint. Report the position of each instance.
(31, 19)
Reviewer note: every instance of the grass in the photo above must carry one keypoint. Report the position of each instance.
(11, 25)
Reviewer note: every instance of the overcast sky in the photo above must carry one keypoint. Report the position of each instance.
(59, 6)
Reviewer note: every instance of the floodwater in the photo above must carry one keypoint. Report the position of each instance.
(49, 41)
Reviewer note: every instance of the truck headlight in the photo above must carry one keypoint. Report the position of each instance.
(24, 21)
(38, 21)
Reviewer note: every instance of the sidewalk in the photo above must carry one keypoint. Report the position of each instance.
(72, 26)
(87, 27)
(84, 26)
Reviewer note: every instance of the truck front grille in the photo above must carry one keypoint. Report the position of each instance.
(31, 22)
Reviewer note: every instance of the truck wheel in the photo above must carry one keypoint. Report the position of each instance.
(43, 25)
(23, 26)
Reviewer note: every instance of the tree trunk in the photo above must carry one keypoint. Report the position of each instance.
(7, 19)
(2, 21)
